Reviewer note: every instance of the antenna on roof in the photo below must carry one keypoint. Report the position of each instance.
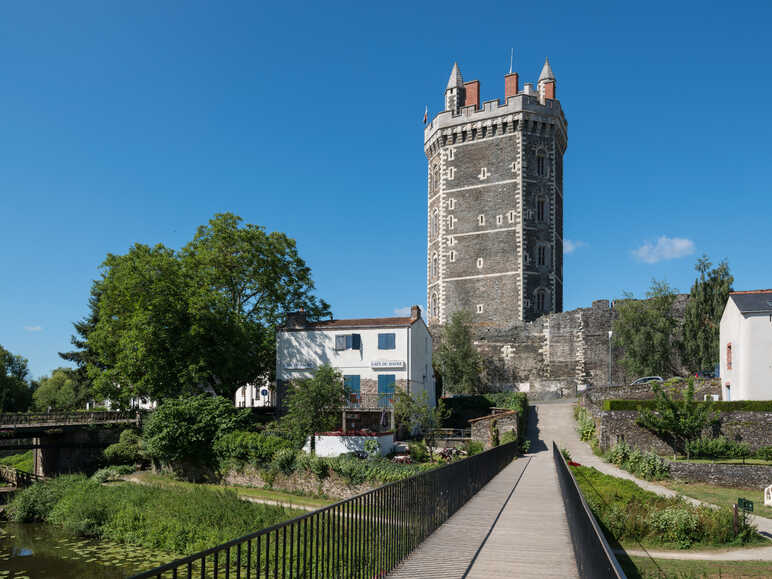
(511, 59)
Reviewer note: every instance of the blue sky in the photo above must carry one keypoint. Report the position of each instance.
(125, 122)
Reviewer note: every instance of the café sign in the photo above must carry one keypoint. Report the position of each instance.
(381, 364)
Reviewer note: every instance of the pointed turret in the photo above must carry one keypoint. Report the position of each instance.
(455, 80)
(546, 72)
(546, 82)
(455, 92)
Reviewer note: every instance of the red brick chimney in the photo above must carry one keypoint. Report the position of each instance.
(511, 85)
(472, 90)
(549, 90)
(415, 313)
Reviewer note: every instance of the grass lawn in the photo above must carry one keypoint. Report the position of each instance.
(642, 567)
(721, 495)
(267, 494)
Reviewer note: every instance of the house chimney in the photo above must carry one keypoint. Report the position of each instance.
(472, 94)
(511, 85)
(415, 313)
(296, 320)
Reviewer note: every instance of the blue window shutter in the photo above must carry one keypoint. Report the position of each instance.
(386, 341)
(348, 342)
(356, 342)
(392, 341)
(386, 390)
(381, 341)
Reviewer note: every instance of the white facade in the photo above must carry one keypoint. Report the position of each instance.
(257, 395)
(335, 444)
(746, 346)
(396, 351)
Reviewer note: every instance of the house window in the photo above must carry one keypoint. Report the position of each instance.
(499, 219)
(540, 300)
(511, 216)
(386, 384)
(434, 266)
(541, 166)
(479, 262)
(348, 342)
(542, 255)
(351, 382)
(452, 256)
(540, 209)
(481, 220)
(387, 341)
(480, 308)
(435, 223)
(729, 357)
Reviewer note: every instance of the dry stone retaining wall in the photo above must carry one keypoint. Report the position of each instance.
(731, 475)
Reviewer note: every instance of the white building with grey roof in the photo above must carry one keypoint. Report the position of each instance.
(746, 346)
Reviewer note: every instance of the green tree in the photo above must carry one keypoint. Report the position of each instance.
(63, 390)
(165, 323)
(314, 404)
(182, 432)
(457, 360)
(702, 318)
(416, 414)
(84, 353)
(15, 391)
(645, 329)
(678, 422)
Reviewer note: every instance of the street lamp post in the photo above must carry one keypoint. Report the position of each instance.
(610, 333)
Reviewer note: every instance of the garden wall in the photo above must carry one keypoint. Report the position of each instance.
(732, 475)
(332, 486)
(482, 428)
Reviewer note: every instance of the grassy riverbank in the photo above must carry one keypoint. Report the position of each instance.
(724, 496)
(181, 520)
(23, 461)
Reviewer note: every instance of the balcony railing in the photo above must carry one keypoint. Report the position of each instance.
(368, 401)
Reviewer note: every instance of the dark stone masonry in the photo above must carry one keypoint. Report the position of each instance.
(730, 475)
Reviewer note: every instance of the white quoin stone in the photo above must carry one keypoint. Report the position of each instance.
(768, 496)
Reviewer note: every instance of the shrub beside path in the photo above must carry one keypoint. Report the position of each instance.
(558, 419)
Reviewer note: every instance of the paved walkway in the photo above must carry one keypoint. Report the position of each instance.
(560, 418)
(514, 527)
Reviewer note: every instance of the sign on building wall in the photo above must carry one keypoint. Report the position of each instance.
(387, 364)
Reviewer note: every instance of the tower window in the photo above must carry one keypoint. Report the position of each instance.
(729, 356)
(479, 262)
(540, 300)
(450, 173)
(541, 164)
(452, 255)
(451, 204)
(434, 266)
(451, 221)
(480, 308)
(451, 240)
(541, 205)
(511, 216)
(481, 220)
(451, 154)
(541, 253)
(483, 174)
(435, 308)
(435, 223)
(499, 219)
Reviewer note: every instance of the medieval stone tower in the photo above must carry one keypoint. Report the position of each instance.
(495, 243)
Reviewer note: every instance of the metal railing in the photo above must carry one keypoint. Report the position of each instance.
(22, 419)
(594, 557)
(362, 537)
(370, 401)
(452, 432)
(18, 478)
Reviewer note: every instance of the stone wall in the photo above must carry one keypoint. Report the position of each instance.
(482, 428)
(596, 395)
(331, 486)
(731, 475)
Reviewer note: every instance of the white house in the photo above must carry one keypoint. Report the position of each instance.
(746, 346)
(255, 395)
(375, 355)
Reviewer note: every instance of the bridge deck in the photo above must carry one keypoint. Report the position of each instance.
(514, 527)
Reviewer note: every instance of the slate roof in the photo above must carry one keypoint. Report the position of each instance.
(455, 80)
(753, 302)
(546, 71)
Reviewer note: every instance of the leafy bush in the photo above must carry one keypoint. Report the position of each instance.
(566, 453)
(764, 453)
(629, 512)
(508, 436)
(463, 408)
(127, 450)
(24, 461)
(646, 465)
(720, 447)
(284, 460)
(525, 446)
(111, 473)
(418, 452)
(719, 406)
(585, 423)
(372, 448)
(176, 520)
(357, 471)
(255, 448)
(473, 447)
(184, 430)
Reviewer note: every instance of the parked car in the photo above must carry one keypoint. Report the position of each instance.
(647, 379)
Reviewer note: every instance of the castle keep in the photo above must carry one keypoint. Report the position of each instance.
(495, 190)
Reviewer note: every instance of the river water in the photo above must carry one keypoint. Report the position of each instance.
(32, 550)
